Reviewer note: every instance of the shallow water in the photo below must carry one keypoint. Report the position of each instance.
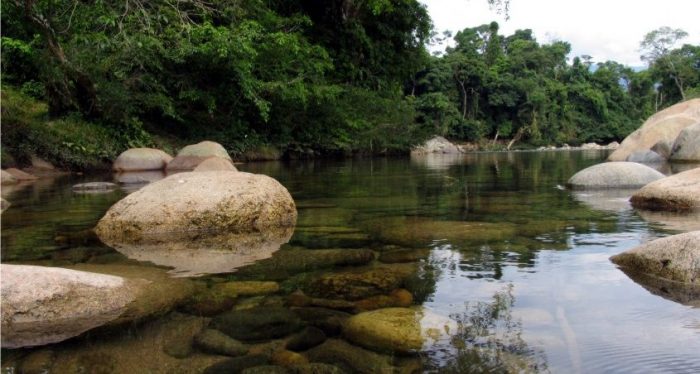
(514, 267)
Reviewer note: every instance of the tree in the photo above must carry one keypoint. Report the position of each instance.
(656, 47)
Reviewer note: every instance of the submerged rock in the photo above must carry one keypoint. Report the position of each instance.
(687, 145)
(614, 175)
(130, 351)
(237, 365)
(419, 232)
(329, 320)
(216, 342)
(351, 358)
(258, 323)
(676, 258)
(4, 204)
(404, 255)
(141, 159)
(679, 192)
(359, 284)
(156, 293)
(287, 262)
(306, 339)
(388, 330)
(188, 205)
(247, 288)
(192, 155)
(42, 305)
(662, 126)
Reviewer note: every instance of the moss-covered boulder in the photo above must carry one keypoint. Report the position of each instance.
(289, 261)
(188, 205)
(359, 284)
(389, 330)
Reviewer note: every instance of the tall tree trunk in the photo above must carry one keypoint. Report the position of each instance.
(85, 95)
(464, 99)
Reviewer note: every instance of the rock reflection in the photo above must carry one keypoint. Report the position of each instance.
(608, 200)
(676, 221)
(216, 254)
(488, 339)
(682, 293)
(133, 180)
(438, 161)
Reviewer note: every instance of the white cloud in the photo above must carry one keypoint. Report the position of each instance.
(604, 29)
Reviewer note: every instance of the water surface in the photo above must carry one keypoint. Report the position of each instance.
(517, 264)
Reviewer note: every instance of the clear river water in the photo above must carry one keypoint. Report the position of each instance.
(510, 270)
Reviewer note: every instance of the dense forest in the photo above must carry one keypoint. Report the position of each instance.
(84, 80)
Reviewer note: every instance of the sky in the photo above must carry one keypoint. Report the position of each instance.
(603, 29)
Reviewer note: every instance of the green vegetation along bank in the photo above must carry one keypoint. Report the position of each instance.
(82, 82)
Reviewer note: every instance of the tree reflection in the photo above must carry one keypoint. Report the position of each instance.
(488, 340)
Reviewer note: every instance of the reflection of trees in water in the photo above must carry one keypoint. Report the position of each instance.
(488, 340)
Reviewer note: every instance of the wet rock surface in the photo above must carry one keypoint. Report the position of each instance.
(186, 205)
(42, 305)
(679, 192)
(676, 258)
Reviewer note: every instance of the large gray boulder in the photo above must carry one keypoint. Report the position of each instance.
(141, 159)
(645, 157)
(192, 155)
(676, 258)
(680, 192)
(614, 175)
(187, 205)
(43, 305)
(687, 145)
(437, 144)
(662, 126)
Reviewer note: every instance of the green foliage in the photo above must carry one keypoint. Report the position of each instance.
(492, 87)
(69, 142)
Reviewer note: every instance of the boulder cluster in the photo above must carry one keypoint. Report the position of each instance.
(672, 134)
(668, 266)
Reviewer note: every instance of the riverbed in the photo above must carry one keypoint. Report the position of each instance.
(509, 269)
